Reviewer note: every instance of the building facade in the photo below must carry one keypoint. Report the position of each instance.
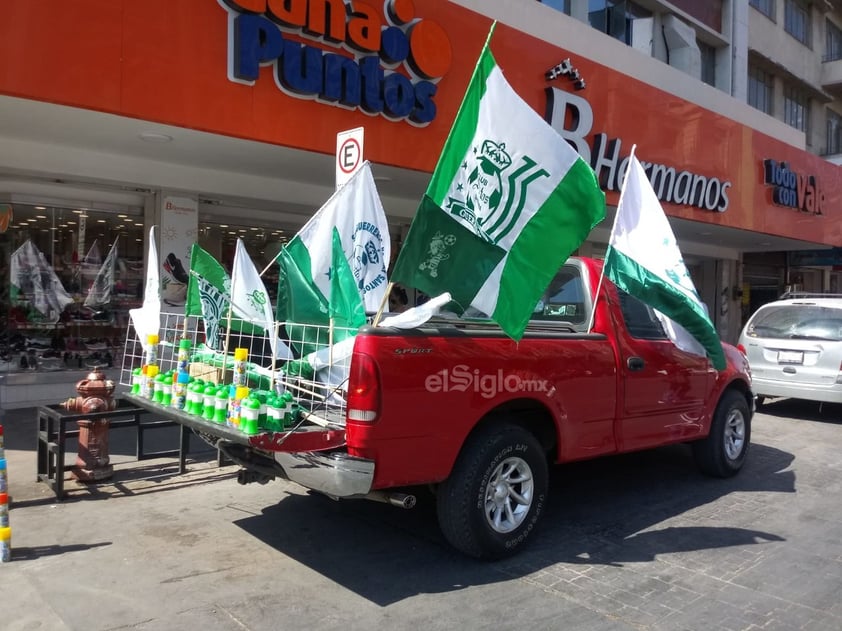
(218, 119)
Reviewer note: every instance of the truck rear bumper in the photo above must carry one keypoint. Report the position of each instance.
(333, 473)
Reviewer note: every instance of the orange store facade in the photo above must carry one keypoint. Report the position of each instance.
(247, 97)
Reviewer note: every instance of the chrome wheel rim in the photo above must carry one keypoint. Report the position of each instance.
(735, 434)
(509, 495)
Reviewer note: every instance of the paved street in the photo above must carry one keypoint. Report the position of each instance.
(633, 542)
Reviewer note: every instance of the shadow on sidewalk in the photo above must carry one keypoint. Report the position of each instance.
(37, 552)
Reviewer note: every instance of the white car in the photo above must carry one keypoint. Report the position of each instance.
(794, 348)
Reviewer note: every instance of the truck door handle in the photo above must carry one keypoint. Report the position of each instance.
(635, 363)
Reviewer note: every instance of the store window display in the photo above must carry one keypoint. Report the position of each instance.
(72, 275)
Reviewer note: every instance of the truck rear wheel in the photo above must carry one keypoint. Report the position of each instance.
(489, 505)
(723, 452)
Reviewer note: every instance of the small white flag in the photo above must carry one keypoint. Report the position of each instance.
(250, 300)
(147, 318)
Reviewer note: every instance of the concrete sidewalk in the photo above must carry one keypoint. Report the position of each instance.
(637, 542)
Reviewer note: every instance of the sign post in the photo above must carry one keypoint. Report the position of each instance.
(349, 154)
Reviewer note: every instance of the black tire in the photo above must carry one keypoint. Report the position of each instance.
(724, 451)
(490, 504)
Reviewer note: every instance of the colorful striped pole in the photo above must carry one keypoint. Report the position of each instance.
(5, 529)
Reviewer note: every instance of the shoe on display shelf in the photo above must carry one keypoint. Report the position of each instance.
(96, 344)
(75, 344)
(50, 363)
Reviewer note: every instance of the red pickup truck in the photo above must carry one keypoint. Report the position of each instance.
(458, 407)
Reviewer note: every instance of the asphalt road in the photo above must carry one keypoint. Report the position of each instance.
(631, 542)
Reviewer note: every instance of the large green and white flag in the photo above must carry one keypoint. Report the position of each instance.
(356, 212)
(509, 202)
(643, 259)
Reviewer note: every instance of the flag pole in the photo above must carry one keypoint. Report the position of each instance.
(613, 226)
(228, 329)
(383, 302)
(487, 44)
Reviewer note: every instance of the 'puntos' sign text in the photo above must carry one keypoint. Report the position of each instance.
(387, 65)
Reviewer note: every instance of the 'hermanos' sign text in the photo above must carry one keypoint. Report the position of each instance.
(671, 185)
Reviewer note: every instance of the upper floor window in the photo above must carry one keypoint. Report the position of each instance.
(760, 89)
(796, 113)
(708, 63)
(558, 5)
(833, 42)
(834, 133)
(621, 19)
(797, 20)
(767, 7)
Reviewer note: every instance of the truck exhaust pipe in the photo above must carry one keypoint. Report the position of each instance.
(401, 500)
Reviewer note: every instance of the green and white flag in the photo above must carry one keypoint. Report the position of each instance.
(102, 289)
(250, 300)
(345, 302)
(33, 279)
(509, 202)
(317, 281)
(356, 212)
(643, 260)
(208, 297)
(208, 288)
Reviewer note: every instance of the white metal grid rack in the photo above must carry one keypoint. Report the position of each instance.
(312, 361)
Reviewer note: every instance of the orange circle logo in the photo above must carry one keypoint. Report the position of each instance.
(5, 217)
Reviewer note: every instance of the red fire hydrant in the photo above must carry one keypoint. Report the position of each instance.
(93, 462)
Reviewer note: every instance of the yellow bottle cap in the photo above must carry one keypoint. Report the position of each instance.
(152, 371)
(242, 392)
(5, 534)
(241, 354)
(152, 338)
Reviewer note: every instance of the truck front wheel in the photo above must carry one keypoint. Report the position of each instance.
(490, 504)
(724, 450)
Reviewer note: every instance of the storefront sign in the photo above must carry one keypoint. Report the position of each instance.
(793, 190)
(388, 65)
(806, 258)
(680, 187)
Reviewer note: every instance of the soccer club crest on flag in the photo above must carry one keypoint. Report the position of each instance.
(368, 261)
(489, 206)
(214, 309)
